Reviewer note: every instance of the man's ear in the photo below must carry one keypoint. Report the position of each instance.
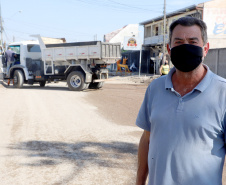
(168, 49)
(206, 49)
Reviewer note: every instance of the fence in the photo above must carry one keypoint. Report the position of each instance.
(216, 60)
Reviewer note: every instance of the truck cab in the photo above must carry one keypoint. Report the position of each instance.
(26, 49)
(19, 71)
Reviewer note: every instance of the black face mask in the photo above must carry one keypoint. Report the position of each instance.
(186, 57)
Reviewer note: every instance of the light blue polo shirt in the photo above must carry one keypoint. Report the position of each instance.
(187, 133)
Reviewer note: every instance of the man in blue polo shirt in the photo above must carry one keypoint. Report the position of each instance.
(183, 115)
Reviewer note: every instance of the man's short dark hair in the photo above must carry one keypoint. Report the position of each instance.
(189, 21)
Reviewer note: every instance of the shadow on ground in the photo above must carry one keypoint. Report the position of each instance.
(48, 87)
(82, 154)
(36, 87)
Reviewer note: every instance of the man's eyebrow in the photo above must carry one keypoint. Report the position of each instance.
(192, 38)
(177, 38)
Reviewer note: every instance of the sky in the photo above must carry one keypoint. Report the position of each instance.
(78, 20)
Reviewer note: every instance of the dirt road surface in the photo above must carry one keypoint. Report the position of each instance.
(55, 136)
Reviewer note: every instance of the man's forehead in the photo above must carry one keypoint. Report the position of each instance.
(187, 31)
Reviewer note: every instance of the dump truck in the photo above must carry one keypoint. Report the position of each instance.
(81, 64)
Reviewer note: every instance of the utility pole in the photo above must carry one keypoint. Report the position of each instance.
(140, 53)
(1, 24)
(164, 34)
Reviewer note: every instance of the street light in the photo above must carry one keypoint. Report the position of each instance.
(20, 11)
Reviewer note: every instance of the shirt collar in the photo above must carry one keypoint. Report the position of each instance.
(168, 81)
(200, 87)
(206, 80)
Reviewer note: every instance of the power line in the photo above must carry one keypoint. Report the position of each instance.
(51, 29)
(117, 6)
(110, 4)
(127, 5)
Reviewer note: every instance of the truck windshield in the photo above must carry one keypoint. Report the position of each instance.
(33, 48)
(16, 49)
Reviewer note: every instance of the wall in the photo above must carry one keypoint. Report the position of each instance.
(129, 30)
(134, 58)
(215, 18)
(216, 60)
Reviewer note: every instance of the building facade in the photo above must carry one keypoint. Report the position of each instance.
(119, 35)
(212, 12)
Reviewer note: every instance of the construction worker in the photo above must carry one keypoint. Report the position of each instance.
(164, 69)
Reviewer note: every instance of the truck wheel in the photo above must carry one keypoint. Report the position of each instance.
(86, 85)
(75, 81)
(97, 85)
(42, 84)
(18, 78)
(100, 85)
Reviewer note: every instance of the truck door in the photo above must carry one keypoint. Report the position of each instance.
(33, 51)
(16, 49)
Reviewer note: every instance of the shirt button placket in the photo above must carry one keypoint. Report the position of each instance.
(180, 105)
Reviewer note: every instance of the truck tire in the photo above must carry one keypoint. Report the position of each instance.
(75, 81)
(18, 78)
(97, 85)
(86, 86)
(42, 84)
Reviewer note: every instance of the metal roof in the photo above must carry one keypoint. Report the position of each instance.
(177, 12)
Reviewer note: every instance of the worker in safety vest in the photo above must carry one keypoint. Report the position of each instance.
(164, 69)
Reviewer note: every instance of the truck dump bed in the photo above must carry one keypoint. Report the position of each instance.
(100, 51)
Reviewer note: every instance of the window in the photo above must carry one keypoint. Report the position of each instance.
(148, 32)
(156, 31)
(33, 48)
(16, 49)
